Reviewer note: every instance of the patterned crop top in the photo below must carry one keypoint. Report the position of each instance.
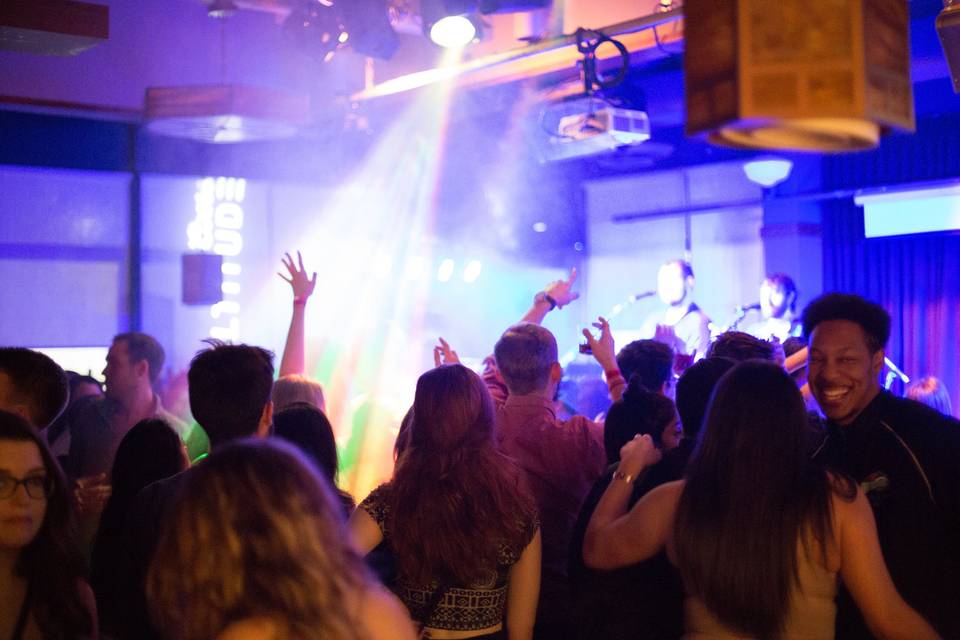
(463, 607)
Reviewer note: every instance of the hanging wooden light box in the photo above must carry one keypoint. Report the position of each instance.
(808, 75)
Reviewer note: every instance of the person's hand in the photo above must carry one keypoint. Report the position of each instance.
(90, 494)
(668, 336)
(602, 347)
(443, 354)
(559, 290)
(638, 454)
(302, 285)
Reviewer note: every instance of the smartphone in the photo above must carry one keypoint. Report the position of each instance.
(585, 348)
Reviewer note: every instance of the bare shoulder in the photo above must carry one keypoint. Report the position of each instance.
(852, 507)
(667, 493)
(384, 616)
(667, 500)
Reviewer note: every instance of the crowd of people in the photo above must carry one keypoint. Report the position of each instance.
(752, 489)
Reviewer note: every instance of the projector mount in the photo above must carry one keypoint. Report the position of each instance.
(588, 41)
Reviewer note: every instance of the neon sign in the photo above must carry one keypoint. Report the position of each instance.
(218, 228)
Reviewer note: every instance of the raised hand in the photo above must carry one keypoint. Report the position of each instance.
(602, 348)
(638, 454)
(443, 354)
(560, 291)
(302, 285)
(668, 336)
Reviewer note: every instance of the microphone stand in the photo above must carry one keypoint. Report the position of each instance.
(739, 314)
(894, 373)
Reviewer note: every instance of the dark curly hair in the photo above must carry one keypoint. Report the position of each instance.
(741, 346)
(872, 318)
(652, 361)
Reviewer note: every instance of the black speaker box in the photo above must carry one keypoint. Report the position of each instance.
(202, 278)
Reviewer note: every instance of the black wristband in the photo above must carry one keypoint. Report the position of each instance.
(543, 296)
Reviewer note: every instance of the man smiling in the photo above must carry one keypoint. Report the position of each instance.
(905, 456)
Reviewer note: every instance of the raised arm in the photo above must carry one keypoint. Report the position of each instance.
(556, 294)
(293, 360)
(617, 538)
(605, 353)
(866, 576)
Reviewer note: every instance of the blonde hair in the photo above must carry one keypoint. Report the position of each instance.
(291, 389)
(932, 392)
(256, 534)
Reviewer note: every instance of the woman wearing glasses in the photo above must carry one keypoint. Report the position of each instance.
(44, 595)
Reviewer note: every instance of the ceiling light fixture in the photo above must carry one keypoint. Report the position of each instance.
(453, 31)
(768, 172)
(456, 23)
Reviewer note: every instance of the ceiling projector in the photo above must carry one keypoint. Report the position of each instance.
(596, 128)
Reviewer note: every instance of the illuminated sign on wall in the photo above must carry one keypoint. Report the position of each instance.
(918, 210)
(218, 228)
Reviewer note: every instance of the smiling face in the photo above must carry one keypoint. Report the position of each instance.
(843, 373)
(20, 515)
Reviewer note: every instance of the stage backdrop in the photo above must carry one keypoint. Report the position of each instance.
(387, 286)
(636, 223)
(913, 277)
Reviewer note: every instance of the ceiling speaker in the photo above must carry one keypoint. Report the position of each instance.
(829, 75)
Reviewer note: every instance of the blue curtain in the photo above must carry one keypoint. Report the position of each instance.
(915, 278)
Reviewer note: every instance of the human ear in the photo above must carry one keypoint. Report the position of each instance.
(556, 372)
(876, 361)
(266, 420)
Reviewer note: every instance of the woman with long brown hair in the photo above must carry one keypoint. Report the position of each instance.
(256, 550)
(457, 517)
(757, 529)
(41, 571)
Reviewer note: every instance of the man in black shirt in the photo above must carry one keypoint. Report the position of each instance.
(229, 388)
(904, 455)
